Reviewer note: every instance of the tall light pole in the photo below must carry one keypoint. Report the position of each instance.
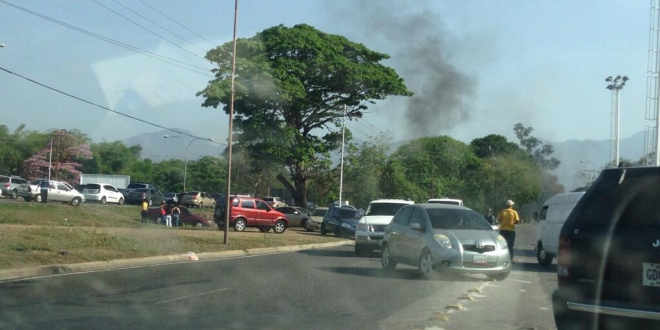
(185, 166)
(231, 127)
(341, 162)
(615, 84)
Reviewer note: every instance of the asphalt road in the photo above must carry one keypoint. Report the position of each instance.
(314, 289)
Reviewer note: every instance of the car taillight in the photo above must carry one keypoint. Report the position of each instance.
(563, 256)
(7, 185)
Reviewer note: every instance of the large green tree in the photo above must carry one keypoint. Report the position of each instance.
(292, 86)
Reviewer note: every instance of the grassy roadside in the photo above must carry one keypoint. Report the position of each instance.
(32, 234)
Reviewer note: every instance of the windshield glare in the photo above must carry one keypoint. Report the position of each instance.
(457, 219)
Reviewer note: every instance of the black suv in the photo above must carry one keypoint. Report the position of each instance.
(609, 254)
(135, 191)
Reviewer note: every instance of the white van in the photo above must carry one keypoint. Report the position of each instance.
(551, 217)
(449, 201)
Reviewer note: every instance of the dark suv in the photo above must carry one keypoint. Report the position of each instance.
(609, 254)
(135, 191)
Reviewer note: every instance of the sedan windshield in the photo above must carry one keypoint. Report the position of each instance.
(384, 208)
(457, 219)
(136, 186)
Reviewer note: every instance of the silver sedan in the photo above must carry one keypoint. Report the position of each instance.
(436, 236)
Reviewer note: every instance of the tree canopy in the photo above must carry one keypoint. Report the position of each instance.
(292, 86)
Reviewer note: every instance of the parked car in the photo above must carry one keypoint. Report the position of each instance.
(59, 191)
(297, 216)
(274, 202)
(171, 198)
(551, 218)
(441, 236)
(135, 191)
(102, 193)
(449, 201)
(340, 220)
(371, 227)
(30, 191)
(609, 254)
(10, 185)
(250, 212)
(316, 219)
(186, 217)
(197, 199)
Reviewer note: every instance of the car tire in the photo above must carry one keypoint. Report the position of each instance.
(240, 224)
(76, 201)
(386, 261)
(303, 223)
(104, 201)
(566, 319)
(121, 202)
(425, 264)
(307, 229)
(499, 276)
(323, 232)
(544, 258)
(280, 227)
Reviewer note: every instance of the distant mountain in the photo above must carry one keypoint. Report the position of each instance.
(579, 155)
(164, 145)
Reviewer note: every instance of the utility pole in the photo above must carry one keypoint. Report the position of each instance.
(50, 157)
(231, 128)
(615, 84)
(341, 166)
(652, 110)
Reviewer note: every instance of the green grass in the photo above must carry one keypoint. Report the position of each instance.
(34, 234)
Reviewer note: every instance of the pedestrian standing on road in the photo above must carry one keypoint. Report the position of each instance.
(163, 212)
(508, 218)
(176, 214)
(144, 208)
(44, 184)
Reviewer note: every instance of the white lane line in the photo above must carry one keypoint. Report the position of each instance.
(521, 281)
(191, 296)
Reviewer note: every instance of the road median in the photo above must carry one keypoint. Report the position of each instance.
(95, 266)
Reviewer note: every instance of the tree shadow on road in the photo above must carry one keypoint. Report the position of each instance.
(404, 274)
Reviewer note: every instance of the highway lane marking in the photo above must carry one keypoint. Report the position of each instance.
(205, 293)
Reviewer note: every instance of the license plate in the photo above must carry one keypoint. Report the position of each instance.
(650, 274)
(479, 259)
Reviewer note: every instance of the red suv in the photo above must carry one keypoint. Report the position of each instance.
(251, 212)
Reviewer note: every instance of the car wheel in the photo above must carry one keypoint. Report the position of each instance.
(323, 232)
(121, 201)
(425, 264)
(386, 259)
(307, 228)
(499, 276)
(75, 201)
(104, 201)
(240, 224)
(544, 258)
(280, 227)
(303, 223)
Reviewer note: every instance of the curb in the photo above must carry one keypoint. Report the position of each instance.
(117, 264)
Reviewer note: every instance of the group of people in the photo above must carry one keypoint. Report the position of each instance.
(169, 216)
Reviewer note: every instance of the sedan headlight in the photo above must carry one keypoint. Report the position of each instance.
(501, 242)
(443, 240)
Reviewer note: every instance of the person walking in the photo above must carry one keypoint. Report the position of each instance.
(163, 212)
(43, 185)
(176, 215)
(144, 209)
(508, 218)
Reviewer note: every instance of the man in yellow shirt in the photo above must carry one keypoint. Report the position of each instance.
(144, 208)
(508, 218)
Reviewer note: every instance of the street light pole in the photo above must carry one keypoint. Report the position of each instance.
(231, 128)
(341, 166)
(615, 84)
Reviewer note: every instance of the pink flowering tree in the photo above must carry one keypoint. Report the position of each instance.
(68, 150)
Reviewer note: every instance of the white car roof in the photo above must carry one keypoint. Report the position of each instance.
(394, 201)
(432, 200)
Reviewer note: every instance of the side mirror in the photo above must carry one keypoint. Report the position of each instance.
(416, 226)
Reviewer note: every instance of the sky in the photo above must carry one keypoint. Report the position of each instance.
(542, 63)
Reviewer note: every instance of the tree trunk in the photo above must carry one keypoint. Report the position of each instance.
(299, 191)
